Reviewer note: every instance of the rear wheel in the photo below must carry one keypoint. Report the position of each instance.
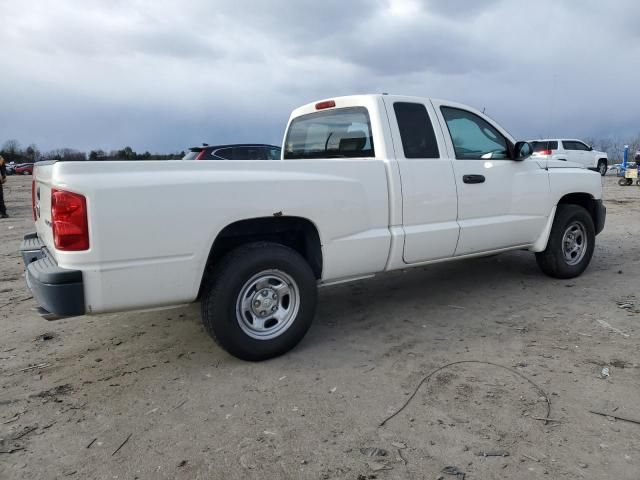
(602, 167)
(260, 301)
(570, 245)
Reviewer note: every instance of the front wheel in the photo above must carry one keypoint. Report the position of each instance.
(570, 245)
(260, 301)
(602, 167)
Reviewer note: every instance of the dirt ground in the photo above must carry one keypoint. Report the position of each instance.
(72, 391)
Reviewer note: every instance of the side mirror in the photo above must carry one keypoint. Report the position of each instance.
(590, 148)
(522, 150)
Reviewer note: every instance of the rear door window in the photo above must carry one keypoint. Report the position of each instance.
(192, 154)
(569, 145)
(273, 153)
(338, 133)
(249, 153)
(224, 153)
(416, 131)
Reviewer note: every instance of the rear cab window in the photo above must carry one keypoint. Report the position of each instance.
(337, 133)
(416, 130)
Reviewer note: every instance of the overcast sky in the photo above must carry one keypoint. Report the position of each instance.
(164, 75)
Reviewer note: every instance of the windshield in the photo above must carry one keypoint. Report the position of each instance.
(339, 133)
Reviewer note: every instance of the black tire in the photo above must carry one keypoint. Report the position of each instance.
(602, 167)
(552, 260)
(629, 181)
(221, 298)
(622, 182)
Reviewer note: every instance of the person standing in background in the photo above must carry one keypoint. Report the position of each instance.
(3, 178)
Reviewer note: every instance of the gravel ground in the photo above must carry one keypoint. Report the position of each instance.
(72, 391)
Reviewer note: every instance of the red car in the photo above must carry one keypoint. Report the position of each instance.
(24, 169)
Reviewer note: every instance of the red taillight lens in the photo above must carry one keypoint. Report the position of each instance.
(201, 155)
(33, 199)
(325, 104)
(544, 152)
(69, 220)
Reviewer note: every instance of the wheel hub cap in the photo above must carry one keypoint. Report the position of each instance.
(264, 302)
(267, 304)
(574, 243)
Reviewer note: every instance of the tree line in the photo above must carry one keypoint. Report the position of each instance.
(12, 151)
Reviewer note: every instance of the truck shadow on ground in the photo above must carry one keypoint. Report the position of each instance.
(453, 295)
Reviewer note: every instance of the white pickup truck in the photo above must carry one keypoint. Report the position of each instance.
(367, 184)
(571, 150)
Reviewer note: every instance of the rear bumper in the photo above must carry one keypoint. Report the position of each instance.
(58, 291)
(599, 216)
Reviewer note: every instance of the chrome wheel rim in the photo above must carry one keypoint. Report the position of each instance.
(574, 243)
(268, 304)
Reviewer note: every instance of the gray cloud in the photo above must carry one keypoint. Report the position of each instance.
(163, 75)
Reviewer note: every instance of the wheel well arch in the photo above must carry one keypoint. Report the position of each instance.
(297, 233)
(585, 200)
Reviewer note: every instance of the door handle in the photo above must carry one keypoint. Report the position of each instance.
(473, 178)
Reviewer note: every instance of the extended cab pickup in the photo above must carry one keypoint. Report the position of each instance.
(367, 184)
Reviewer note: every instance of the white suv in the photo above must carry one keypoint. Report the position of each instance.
(571, 150)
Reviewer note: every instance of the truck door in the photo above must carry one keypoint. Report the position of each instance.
(429, 199)
(502, 203)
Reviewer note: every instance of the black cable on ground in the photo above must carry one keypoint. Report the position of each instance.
(481, 362)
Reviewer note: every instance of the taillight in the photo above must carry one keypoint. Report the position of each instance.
(33, 199)
(201, 155)
(544, 152)
(325, 104)
(69, 220)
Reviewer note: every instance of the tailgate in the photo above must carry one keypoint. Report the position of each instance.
(42, 175)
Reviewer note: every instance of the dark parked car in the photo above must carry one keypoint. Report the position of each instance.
(245, 151)
(24, 169)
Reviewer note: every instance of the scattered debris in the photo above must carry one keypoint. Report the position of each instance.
(91, 442)
(546, 419)
(24, 433)
(612, 328)
(493, 453)
(122, 444)
(11, 449)
(55, 391)
(620, 363)
(46, 337)
(34, 367)
(400, 457)
(14, 418)
(450, 470)
(530, 457)
(182, 463)
(180, 404)
(542, 393)
(605, 372)
(608, 415)
(374, 452)
(399, 445)
(378, 466)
